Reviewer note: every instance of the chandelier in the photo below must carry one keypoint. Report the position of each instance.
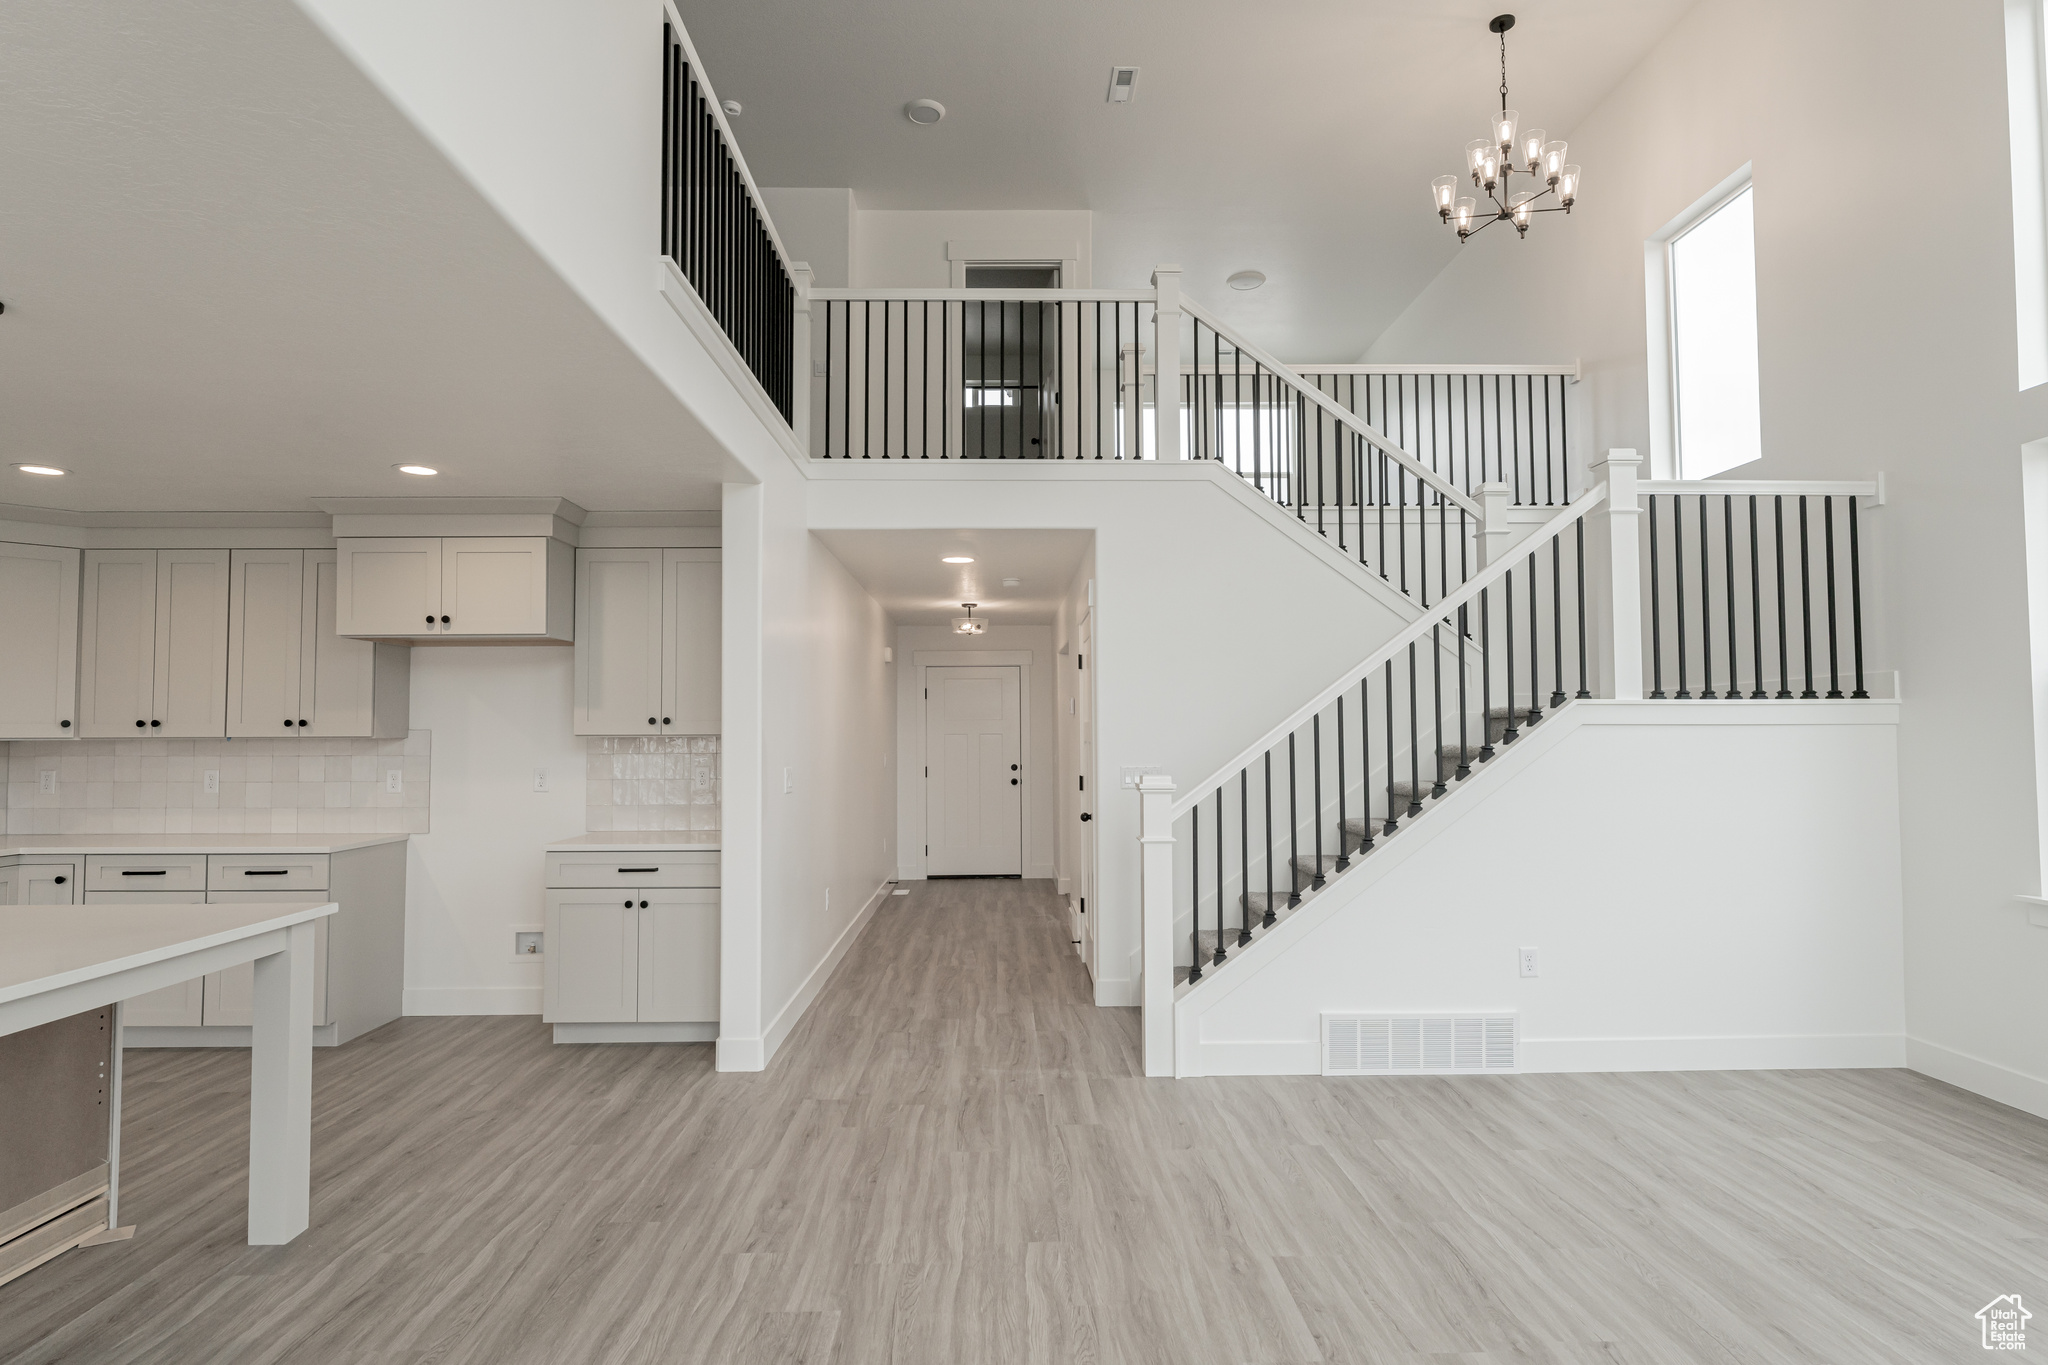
(1492, 160)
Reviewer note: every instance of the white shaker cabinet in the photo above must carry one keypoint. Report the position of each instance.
(632, 954)
(647, 642)
(592, 941)
(153, 643)
(461, 588)
(39, 622)
(289, 671)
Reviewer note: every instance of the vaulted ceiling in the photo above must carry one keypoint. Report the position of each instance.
(1295, 138)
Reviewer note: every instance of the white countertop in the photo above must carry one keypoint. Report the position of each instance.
(635, 841)
(44, 948)
(61, 845)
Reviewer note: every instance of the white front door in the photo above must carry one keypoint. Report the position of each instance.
(1084, 692)
(974, 778)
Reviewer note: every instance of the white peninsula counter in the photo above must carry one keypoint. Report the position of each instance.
(61, 964)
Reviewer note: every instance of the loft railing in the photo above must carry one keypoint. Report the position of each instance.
(714, 227)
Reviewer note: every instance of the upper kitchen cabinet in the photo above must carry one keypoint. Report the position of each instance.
(153, 651)
(39, 622)
(289, 671)
(647, 642)
(459, 589)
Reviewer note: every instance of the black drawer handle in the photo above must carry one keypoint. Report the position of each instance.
(138, 872)
(266, 872)
(639, 869)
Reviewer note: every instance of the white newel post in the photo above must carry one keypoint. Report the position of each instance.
(1155, 897)
(800, 356)
(1624, 604)
(1166, 362)
(1493, 522)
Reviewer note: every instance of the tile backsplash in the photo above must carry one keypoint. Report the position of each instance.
(265, 786)
(650, 783)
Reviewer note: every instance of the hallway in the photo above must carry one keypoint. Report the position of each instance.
(954, 1159)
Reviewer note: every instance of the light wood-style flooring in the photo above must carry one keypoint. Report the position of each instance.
(954, 1160)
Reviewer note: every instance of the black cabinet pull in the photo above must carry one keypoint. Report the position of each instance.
(64, 725)
(1013, 767)
(650, 720)
(430, 620)
(444, 620)
(629, 905)
(666, 721)
(58, 880)
(1085, 817)
(643, 905)
(1013, 781)
(153, 724)
(302, 722)
(639, 869)
(138, 724)
(266, 872)
(141, 872)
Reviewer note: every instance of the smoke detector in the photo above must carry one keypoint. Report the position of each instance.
(924, 113)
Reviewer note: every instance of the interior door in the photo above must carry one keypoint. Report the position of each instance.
(974, 807)
(618, 642)
(39, 622)
(494, 585)
(266, 599)
(173, 1006)
(692, 645)
(337, 675)
(117, 643)
(191, 666)
(389, 586)
(1084, 705)
(679, 956)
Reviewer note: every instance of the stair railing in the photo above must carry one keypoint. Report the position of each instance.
(1233, 853)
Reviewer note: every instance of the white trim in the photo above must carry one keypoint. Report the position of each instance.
(1763, 488)
(1992, 1080)
(839, 293)
(1571, 371)
(672, 286)
(636, 1033)
(440, 1000)
(787, 1017)
(1062, 252)
(1118, 991)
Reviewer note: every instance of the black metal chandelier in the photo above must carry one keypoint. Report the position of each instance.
(1493, 159)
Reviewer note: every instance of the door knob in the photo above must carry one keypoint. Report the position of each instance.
(1085, 816)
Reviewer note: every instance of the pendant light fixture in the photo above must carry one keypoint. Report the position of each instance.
(1506, 151)
(969, 624)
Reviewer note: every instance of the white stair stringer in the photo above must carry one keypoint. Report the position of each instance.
(1344, 890)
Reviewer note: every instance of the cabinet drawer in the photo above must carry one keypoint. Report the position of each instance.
(266, 872)
(145, 872)
(665, 868)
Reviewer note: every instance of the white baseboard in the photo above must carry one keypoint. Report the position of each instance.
(1066, 886)
(636, 1033)
(472, 1000)
(1304, 1056)
(1041, 872)
(1990, 1079)
(779, 1029)
(740, 1054)
(1112, 990)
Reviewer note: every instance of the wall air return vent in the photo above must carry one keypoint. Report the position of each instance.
(1417, 1044)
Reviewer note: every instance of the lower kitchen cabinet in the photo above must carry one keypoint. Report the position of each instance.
(634, 958)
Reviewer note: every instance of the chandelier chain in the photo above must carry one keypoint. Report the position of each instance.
(1503, 70)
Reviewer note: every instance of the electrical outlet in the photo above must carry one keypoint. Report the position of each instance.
(46, 782)
(540, 779)
(527, 943)
(1528, 959)
(394, 779)
(211, 782)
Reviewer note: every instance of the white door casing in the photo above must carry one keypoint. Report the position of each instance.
(974, 781)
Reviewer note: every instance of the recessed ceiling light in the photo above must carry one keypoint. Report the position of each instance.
(47, 470)
(924, 112)
(424, 471)
(1246, 279)
(957, 559)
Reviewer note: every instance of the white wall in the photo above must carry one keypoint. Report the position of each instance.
(496, 714)
(1886, 343)
(906, 248)
(1041, 763)
(816, 226)
(1213, 620)
(1072, 845)
(1733, 902)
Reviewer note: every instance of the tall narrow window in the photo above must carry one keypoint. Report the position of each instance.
(1713, 341)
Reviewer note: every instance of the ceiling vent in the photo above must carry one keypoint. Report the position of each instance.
(1417, 1044)
(1123, 83)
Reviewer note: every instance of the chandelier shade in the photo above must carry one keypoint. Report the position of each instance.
(1492, 161)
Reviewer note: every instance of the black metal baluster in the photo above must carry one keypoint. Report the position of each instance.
(1436, 742)
(1245, 934)
(1485, 677)
(1414, 741)
(1706, 609)
(1220, 953)
(1508, 616)
(1195, 893)
(1556, 621)
(1656, 612)
(1365, 763)
(1784, 656)
(1734, 692)
(1387, 687)
(1856, 600)
(1464, 769)
(1244, 858)
(1756, 606)
(1343, 834)
(1678, 585)
(885, 379)
(1579, 564)
(1535, 635)
(1827, 506)
(1315, 811)
(1805, 603)
(828, 378)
